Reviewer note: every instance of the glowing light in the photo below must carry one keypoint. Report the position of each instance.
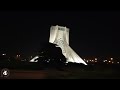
(90, 60)
(109, 61)
(104, 60)
(66, 62)
(87, 61)
(18, 56)
(95, 58)
(112, 62)
(111, 58)
(3, 54)
(118, 62)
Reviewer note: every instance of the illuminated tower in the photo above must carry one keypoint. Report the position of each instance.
(60, 35)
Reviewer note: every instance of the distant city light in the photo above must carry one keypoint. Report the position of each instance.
(95, 58)
(111, 58)
(18, 56)
(93, 61)
(66, 62)
(104, 61)
(3, 54)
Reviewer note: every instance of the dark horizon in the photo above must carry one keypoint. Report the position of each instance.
(91, 33)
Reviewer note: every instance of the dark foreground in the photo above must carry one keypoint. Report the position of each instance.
(66, 73)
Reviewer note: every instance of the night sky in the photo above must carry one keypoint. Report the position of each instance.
(92, 33)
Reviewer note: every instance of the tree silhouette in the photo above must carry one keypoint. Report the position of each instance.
(52, 55)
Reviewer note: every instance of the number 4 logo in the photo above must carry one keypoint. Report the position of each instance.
(5, 72)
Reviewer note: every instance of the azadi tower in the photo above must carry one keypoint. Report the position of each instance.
(59, 35)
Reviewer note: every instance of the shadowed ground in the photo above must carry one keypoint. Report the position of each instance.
(26, 74)
(67, 73)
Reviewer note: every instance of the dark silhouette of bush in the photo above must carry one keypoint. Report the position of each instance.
(51, 55)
